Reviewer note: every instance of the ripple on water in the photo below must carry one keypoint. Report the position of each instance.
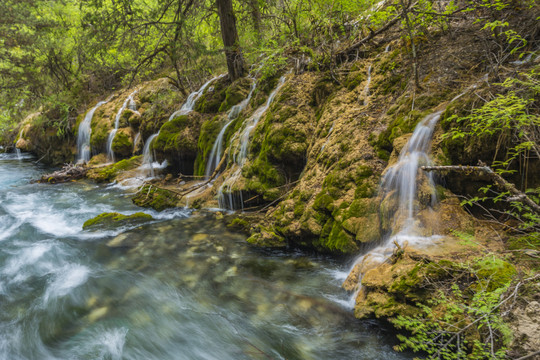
(67, 278)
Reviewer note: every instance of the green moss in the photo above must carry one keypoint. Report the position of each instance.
(156, 198)
(122, 144)
(209, 132)
(109, 172)
(210, 101)
(239, 224)
(235, 93)
(493, 272)
(115, 219)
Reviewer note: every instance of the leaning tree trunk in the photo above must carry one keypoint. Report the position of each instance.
(229, 34)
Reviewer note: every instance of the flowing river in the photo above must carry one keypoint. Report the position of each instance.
(182, 287)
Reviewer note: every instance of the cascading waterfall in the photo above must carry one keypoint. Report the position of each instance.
(400, 182)
(147, 165)
(241, 152)
(83, 137)
(130, 104)
(217, 148)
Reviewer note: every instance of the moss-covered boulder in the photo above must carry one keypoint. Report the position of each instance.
(109, 220)
(212, 97)
(235, 93)
(158, 100)
(49, 134)
(177, 142)
(122, 144)
(108, 173)
(151, 196)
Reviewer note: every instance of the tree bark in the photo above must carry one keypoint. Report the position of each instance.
(256, 18)
(235, 61)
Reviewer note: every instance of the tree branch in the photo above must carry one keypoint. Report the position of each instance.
(497, 179)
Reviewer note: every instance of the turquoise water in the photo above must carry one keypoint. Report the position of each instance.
(180, 287)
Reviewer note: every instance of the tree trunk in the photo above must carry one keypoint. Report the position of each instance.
(229, 34)
(256, 18)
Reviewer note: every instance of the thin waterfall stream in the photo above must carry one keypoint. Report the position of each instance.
(83, 137)
(130, 104)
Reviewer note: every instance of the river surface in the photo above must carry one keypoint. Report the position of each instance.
(181, 287)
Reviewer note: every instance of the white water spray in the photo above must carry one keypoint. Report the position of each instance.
(83, 137)
(130, 104)
(241, 152)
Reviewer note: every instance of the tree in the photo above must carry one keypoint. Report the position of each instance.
(235, 60)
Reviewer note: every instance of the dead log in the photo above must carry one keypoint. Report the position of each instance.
(68, 173)
(499, 181)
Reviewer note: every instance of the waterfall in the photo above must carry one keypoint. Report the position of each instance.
(399, 183)
(136, 141)
(217, 148)
(366, 88)
(83, 137)
(241, 151)
(387, 48)
(148, 157)
(187, 107)
(192, 99)
(130, 104)
(17, 150)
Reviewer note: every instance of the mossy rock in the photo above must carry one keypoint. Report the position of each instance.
(209, 132)
(213, 96)
(493, 272)
(235, 93)
(267, 238)
(122, 144)
(150, 196)
(177, 142)
(109, 220)
(101, 127)
(110, 172)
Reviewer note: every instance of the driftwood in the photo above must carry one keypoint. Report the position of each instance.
(496, 178)
(67, 173)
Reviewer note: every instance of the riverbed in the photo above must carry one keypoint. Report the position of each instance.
(183, 286)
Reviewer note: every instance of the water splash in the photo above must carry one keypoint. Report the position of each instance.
(241, 152)
(83, 137)
(17, 150)
(147, 166)
(217, 148)
(129, 103)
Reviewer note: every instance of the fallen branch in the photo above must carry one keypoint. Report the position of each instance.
(67, 173)
(497, 179)
(343, 55)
